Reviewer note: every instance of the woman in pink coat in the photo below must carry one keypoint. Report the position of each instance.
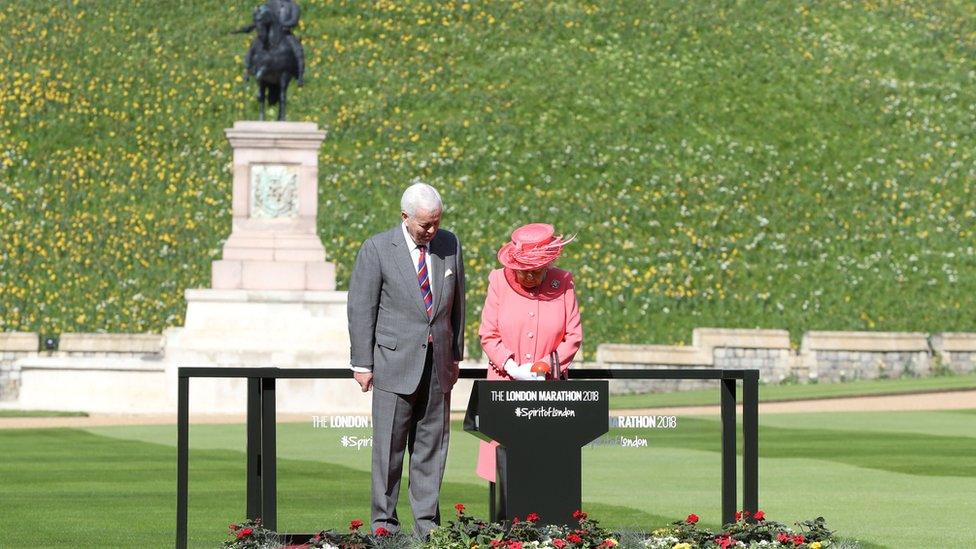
(530, 314)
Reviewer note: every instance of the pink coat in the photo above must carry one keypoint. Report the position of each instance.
(526, 329)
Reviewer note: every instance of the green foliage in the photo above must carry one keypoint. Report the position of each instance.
(788, 165)
(473, 533)
(465, 532)
(816, 529)
(251, 534)
(939, 367)
(748, 529)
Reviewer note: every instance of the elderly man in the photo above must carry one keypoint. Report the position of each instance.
(406, 328)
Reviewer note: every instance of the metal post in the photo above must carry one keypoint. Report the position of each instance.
(728, 451)
(491, 501)
(750, 440)
(182, 458)
(269, 495)
(253, 448)
(261, 434)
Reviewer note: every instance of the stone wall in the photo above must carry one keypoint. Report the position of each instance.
(626, 356)
(110, 345)
(954, 352)
(14, 346)
(18, 348)
(847, 356)
(829, 357)
(765, 350)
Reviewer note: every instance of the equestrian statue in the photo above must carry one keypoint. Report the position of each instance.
(276, 55)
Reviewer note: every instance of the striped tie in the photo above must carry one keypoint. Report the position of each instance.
(424, 282)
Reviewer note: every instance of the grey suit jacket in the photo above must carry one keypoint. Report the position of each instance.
(388, 325)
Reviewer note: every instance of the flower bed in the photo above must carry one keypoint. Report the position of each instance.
(750, 530)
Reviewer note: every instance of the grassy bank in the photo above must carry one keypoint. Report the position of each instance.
(745, 165)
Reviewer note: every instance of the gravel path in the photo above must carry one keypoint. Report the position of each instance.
(955, 400)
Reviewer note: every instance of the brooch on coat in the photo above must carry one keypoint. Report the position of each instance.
(554, 284)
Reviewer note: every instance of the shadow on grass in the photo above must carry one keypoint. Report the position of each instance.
(65, 485)
(908, 453)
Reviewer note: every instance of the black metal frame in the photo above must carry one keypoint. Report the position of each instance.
(261, 430)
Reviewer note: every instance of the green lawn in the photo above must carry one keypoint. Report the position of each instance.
(894, 479)
(40, 413)
(781, 393)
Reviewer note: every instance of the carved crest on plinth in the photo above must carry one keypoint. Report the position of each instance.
(274, 191)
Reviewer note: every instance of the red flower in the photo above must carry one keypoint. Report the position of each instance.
(579, 515)
(692, 519)
(574, 538)
(497, 543)
(460, 508)
(759, 515)
(738, 515)
(244, 533)
(532, 517)
(355, 524)
(559, 543)
(782, 537)
(515, 545)
(724, 541)
(798, 539)
(382, 532)
(516, 520)
(233, 527)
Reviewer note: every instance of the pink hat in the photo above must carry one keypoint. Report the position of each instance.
(533, 246)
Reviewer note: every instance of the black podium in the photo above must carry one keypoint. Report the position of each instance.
(542, 427)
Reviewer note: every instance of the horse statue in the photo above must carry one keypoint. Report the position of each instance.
(276, 56)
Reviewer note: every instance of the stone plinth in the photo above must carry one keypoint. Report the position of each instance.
(270, 328)
(273, 243)
(271, 322)
(273, 301)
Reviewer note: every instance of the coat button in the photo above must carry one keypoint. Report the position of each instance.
(528, 355)
(531, 313)
(531, 335)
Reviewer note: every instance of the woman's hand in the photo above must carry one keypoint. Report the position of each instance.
(521, 372)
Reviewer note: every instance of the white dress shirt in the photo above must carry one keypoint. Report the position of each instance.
(415, 257)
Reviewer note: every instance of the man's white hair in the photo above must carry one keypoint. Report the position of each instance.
(420, 196)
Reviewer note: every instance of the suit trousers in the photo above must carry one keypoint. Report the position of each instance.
(420, 424)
